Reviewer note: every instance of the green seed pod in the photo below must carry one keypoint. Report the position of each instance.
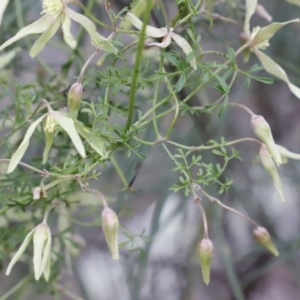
(110, 226)
(75, 98)
(205, 253)
(263, 237)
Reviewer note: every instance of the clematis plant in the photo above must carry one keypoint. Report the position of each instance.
(166, 35)
(56, 13)
(258, 40)
(51, 120)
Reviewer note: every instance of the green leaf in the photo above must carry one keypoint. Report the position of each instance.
(181, 82)
(223, 107)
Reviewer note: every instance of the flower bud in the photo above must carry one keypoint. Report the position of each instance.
(110, 226)
(270, 167)
(262, 236)
(42, 251)
(263, 131)
(41, 235)
(74, 98)
(205, 252)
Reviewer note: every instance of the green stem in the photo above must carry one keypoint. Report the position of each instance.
(165, 15)
(202, 147)
(43, 173)
(176, 108)
(217, 201)
(137, 63)
(119, 171)
(15, 288)
(156, 92)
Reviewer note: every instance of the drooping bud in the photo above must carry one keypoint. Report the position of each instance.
(42, 251)
(263, 237)
(41, 235)
(75, 98)
(205, 253)
(110, 226)
(263, 131)
(270, 167)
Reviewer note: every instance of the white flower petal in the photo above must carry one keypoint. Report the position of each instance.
(2, 8)
(6, 58)
(66, 28)
(296, 2)
(273, 68)
(185, 46)
(285, 153)
(45, 37)
(20, 251)
(47, 256)
(40, 239)
(67, 124)
(150, 30)
(17, 156)
(89, 26)
(265, 33)
(164, 44)
(38, 26)
(94, 141)
(250, 9)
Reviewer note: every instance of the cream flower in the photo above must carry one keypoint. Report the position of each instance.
(296, 2)
(41, 236)
(3, 5)
(259, 39)
(56, 13)
(51, 120)
(167, 37)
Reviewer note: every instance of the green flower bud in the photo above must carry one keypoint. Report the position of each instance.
(110, 226)
(74, 98)
(270, 167)
(263, 131)
(262, 236)
(205, 253)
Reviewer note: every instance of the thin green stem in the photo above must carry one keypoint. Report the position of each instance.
(137, 64)
(202, 147)
(165, 15)
(217, 201)
(94, 54)
(15, 288)
(42, 172)
(119, 171)
(68, 293)
(176, 108)
(156, 92)
(90, 15)
(204, 219)
(144, 142)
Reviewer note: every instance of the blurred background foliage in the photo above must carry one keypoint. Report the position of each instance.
(160, 229)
